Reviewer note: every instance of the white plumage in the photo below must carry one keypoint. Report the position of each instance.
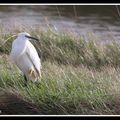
(25, 56)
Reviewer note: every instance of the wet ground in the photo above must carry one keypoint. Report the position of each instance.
(98, 21)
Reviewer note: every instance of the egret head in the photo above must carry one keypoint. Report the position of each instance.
(26, 35)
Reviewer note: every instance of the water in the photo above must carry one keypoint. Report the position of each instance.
(100, 22)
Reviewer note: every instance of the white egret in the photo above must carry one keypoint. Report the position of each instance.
(25, 56)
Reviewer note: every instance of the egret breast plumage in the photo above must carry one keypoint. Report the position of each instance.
(25, 56)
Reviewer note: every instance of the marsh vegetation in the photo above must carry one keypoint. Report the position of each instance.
(79, 77)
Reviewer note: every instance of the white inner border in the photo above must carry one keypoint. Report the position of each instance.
(58, 4)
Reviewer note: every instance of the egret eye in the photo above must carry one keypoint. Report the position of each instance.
(31, 37)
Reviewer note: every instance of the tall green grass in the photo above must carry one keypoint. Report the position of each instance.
(66, 49)
(78, 76)
(67, 89)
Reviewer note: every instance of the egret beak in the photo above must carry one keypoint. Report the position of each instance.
(32, 38)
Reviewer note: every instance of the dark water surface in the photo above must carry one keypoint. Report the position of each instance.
(99, 21)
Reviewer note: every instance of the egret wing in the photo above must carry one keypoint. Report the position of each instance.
(33, 57)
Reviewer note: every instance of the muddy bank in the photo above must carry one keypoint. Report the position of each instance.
(13, 104)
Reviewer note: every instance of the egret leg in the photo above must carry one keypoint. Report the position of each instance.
(25, 80)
